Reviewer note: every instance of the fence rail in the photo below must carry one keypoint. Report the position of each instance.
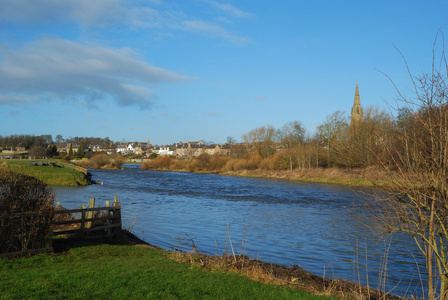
(85, 223)
(107, 220)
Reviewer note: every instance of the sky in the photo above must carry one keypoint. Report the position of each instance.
(190, 70)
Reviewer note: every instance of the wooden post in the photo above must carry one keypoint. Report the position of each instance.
(90, 213)
(83, 219)
(115, 198)
(108, 221)
(117, 214)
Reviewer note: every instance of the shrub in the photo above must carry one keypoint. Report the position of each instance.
(217, 162)
(203, 161)
(279, 161)
(102, 161)
(235, 164)
(20, 194)
(159, 163)
(177, 164)
(253, 162)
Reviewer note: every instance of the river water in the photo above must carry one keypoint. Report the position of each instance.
(321, 228)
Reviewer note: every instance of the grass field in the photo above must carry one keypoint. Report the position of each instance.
(126, 272)
(62, 174)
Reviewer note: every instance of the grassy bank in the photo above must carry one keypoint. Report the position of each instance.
(127, 272)
(255, 166)
(59, 174)
(349, 177)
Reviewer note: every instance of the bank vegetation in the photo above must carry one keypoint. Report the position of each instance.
(102, 161)
(341, 151)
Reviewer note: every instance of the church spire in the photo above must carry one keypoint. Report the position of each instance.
(356, 109)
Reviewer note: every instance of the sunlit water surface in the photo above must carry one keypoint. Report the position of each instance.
(319, 227)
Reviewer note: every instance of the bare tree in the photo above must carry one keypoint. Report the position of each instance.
(363, 141)
(291, 134)
(416, 159)
(262, 139)
(333, 134)
(37, 151)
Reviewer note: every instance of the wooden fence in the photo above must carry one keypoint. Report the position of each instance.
(104, 221)
(84, 223)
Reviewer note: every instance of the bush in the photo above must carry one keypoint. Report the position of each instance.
(159, 163)
(102, 161)
(20, 194)
(253, 162)
(218, 162)
(279, 161)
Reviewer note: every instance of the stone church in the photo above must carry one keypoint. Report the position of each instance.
(356, 115)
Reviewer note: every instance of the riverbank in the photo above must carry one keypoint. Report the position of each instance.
(255, 166)
(107, 271)
(134, 269)
(292, 277)
(349, 177)
(52, 172)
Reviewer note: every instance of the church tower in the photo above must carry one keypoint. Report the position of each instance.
(356, 109)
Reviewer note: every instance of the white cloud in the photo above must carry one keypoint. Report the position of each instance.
(17, 99)
(154, 15)
(212, 30)
(228, 9)
(65, 70)
(86, 12)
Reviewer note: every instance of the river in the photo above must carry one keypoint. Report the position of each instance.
(319, 227)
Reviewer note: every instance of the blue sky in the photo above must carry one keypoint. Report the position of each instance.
(171, 71)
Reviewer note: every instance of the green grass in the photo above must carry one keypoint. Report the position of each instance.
(64, 175)
(126, 272)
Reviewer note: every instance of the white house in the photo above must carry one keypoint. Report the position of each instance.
(131, 148)
(121, 149)
(164, 151)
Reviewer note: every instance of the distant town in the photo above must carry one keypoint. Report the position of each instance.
(327, 148)
(43, 147)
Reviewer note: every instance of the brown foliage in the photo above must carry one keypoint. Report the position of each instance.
(158, 163)
(281, 160)
(102, 161)
(20, 194)
(207, 163)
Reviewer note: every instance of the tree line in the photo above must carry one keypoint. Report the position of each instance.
(46, 146)
(27, 141)
(337, 142)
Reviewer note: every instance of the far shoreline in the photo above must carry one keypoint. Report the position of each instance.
(337, 176)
